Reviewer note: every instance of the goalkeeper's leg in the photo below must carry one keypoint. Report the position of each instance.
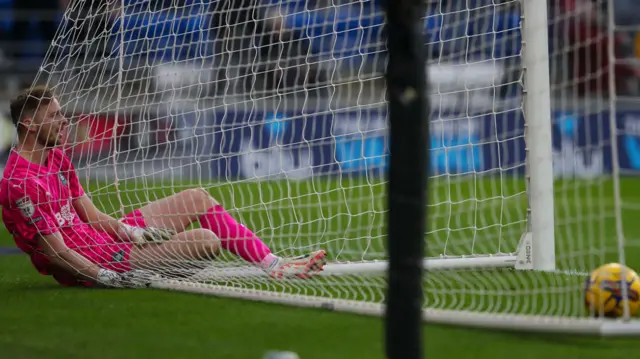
(171, 256)
(179, 211)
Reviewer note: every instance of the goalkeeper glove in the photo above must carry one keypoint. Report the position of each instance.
(131, 279)
(140, 236)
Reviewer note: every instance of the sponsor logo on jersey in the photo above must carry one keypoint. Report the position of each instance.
(26, 207)
(63, 179)
(67, 213)
(65, 216)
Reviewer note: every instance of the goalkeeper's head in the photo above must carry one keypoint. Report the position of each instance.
(38, 117)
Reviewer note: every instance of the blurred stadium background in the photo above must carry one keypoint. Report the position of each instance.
(195, 72)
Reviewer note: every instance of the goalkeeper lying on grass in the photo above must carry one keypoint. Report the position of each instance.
(66, 236)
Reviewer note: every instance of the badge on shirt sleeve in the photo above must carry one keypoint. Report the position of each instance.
(26, 207)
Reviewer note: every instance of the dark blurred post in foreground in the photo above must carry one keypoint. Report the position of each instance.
(408, 169)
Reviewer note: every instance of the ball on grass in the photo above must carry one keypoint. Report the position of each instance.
(281, 355)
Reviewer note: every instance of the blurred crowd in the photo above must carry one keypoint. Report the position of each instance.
(279, 39)
(302, 55)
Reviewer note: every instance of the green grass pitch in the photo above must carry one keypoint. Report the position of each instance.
(38, 319)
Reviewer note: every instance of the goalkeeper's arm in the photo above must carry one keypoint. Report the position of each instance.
(71, 261)
(91, 215)
(66, 258)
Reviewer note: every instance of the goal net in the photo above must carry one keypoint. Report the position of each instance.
(278, 110)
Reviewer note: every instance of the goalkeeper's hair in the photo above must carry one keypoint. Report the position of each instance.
(28, 101)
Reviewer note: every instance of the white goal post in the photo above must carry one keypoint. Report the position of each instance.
(279, 112)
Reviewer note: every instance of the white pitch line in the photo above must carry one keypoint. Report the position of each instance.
(571, 272)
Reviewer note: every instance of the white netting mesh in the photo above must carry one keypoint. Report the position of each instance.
(277, 109)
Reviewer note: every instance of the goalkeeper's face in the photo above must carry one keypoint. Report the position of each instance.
(52, 124)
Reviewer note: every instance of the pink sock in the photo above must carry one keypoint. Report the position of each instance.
(237, 238)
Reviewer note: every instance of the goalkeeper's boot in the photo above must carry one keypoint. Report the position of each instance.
(304, 266)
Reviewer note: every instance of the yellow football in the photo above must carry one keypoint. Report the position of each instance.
(603, 291)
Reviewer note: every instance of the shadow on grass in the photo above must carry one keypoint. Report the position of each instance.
(564, 339)
(30, 285)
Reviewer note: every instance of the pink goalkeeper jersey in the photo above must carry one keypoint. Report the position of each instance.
(38, 199)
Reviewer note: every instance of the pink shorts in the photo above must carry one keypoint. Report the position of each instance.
(113, 256)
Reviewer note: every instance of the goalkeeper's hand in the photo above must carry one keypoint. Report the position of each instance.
(140, 236)
(131, 279)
